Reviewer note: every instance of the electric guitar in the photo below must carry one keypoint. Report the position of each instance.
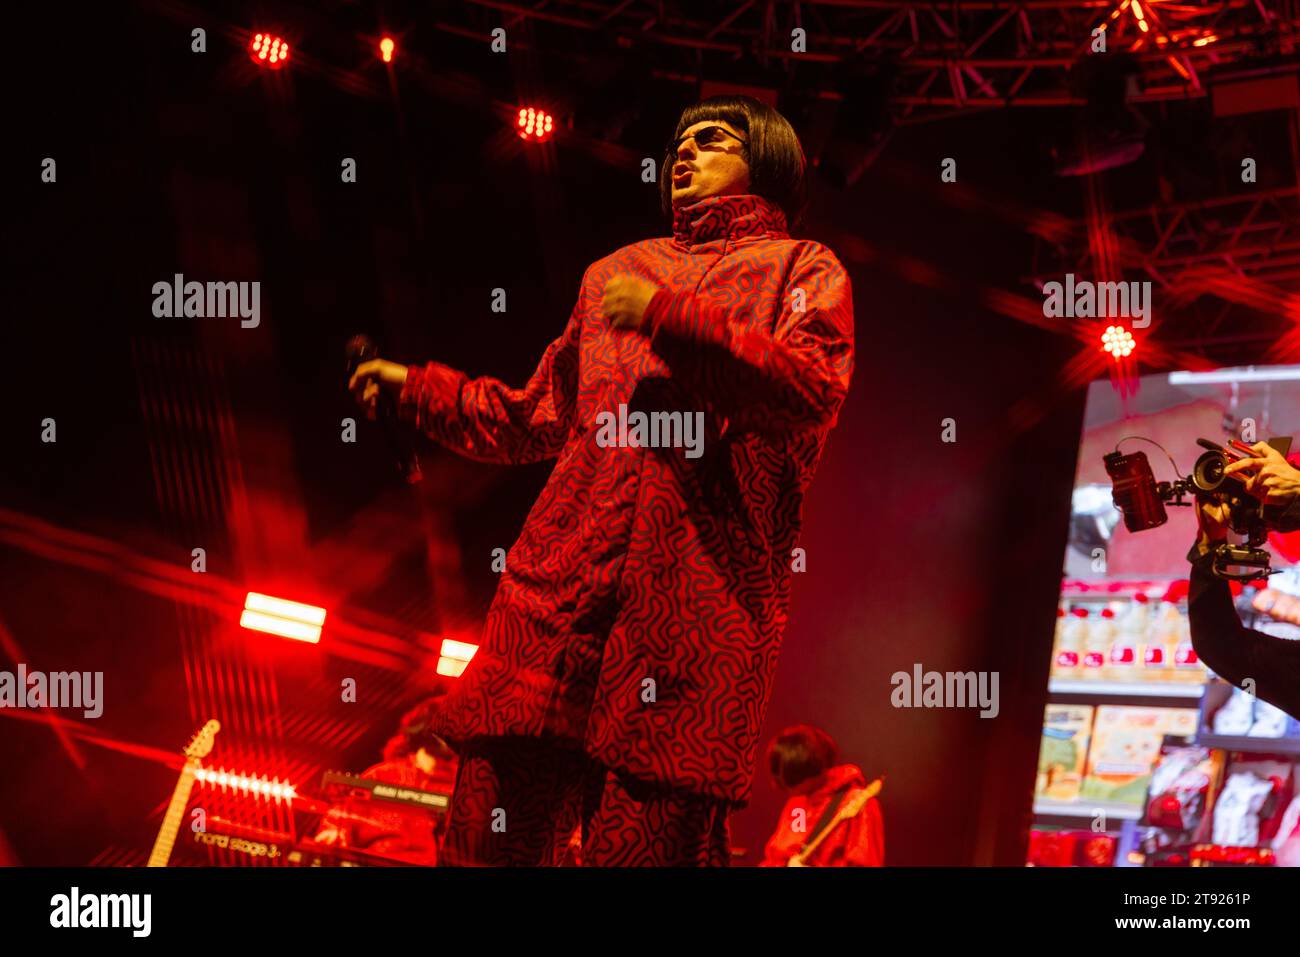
(849, 809)
(195, 752)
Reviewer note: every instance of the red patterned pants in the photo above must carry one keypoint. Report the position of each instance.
(519, 802)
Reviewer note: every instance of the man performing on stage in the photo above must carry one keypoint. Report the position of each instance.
(627, 659)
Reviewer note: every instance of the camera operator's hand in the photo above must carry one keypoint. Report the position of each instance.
(1275, 481)
(1212, 520)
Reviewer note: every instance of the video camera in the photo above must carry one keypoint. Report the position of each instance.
(1142, 501)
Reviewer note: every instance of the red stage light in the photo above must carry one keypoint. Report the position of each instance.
(269, 50)
(255, 786)
(289, 619)
(455, 656)
(1118, 341)
(386, 46)
(534, 125)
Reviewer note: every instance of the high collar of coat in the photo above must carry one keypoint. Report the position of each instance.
(730, 217)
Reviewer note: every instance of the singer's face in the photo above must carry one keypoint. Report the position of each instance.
(717, 168)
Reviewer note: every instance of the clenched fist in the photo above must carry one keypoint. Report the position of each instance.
(626, 299)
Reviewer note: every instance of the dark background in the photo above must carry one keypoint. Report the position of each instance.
(174, 434)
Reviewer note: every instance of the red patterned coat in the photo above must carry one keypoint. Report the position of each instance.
(641, 610)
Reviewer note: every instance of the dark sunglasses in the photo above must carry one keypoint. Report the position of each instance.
(704, 137)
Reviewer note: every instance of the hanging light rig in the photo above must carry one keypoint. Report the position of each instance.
(533, 125)
(269, 51)
(1118, 341)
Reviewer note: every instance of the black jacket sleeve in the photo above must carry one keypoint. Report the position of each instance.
(1234, 652)
(1283, 518)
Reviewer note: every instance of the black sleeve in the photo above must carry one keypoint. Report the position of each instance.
(1284, 518)
(1234, 652)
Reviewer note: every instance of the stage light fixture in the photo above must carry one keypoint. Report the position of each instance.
(269, 50)
(255, 786)
(455, 655)
(534, 125)
(1118, 341)
(288, 619)
(386, 48)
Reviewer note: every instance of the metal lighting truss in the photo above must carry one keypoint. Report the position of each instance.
(950, 57)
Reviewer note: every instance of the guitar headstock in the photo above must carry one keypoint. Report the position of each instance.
(201, 745)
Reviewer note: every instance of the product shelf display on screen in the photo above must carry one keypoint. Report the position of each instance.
(1147, 757)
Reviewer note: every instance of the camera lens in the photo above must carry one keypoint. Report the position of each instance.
(1208, 473)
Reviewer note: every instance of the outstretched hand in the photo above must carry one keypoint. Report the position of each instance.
(370, 377)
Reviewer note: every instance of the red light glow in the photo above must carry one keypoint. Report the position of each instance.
(288, 619)
(263, 786)
(1118, 341)
(455, 655)
(534, 125)
(268, 50)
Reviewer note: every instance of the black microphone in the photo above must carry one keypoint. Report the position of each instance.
(362, 349)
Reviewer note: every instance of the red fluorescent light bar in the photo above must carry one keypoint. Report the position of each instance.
(276, 616)
(285, 609)
(458, 649)
(451, 667)
(455, 656)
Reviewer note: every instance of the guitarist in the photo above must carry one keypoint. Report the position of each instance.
(804, 762)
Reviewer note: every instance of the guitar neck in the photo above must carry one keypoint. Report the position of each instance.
(844, 814)
(815, 843)
(162, 847)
